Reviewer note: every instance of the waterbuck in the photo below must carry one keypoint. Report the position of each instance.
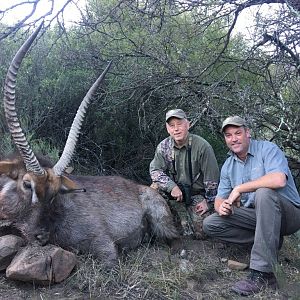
(92, 214)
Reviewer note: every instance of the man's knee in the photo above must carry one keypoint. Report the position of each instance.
(263, 192)
(264, 195)
(214, 225)
(208, 225)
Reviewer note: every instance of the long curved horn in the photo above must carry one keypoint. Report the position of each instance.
(14, 126)
(67, 154)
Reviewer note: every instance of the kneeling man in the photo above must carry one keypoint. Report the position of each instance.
(257, 202)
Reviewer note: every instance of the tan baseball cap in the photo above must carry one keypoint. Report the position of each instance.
(176, 113)
(235, 121)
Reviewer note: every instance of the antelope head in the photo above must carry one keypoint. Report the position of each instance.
(41, 183)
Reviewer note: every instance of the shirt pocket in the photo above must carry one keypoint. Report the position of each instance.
(257, 171)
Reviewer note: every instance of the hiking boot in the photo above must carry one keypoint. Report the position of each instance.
(254, 283)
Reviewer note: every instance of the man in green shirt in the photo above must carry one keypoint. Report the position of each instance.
(185, 164)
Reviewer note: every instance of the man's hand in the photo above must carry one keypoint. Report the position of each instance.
(177, 194)
(235, 197)
(201, 207)
(225, 208)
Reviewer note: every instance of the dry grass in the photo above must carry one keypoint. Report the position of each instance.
(152, 272)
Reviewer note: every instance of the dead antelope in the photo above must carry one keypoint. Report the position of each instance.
(111, 213)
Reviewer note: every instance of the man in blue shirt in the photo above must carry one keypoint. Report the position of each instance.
(257, 202)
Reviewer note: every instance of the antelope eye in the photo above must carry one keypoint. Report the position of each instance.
(27, 184)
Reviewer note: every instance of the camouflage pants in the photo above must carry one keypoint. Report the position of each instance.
(186, 219)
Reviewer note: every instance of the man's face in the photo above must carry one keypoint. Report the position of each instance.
(237, 139)
(178, 129)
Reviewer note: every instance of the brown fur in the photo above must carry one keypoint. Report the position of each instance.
(112, 214)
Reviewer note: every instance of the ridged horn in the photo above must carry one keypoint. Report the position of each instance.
(67, 154)
(14, 126)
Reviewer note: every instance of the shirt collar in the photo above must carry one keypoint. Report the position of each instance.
(185, 144)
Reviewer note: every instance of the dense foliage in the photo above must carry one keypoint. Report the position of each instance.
(165, 55)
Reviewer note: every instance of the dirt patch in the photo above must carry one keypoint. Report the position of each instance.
(153, 272)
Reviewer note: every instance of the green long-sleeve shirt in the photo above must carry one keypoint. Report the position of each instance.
(205, 169)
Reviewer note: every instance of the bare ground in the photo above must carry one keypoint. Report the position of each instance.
(152, 272)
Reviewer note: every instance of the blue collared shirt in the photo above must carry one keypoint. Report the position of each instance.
(263, 158)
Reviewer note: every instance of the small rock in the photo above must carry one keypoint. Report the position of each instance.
(183, 253)
(226, 271)
(235, 265)
(44, 265)
(192, 284)
(185, 266)
(9, 246)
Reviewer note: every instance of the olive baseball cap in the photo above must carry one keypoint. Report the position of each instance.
(176, 113)
(235, 121)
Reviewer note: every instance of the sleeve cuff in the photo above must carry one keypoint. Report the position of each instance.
(170, 186)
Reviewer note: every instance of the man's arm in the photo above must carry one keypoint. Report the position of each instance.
(159, 168)
(211, 189)
(210, 171)
(273, 181)
(207, 204)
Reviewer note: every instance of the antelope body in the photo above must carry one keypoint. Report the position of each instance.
(112, 214)
(97, 215)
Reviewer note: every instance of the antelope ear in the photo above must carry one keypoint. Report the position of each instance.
(69, 186)
(6, 167)
(9, 168)
(67, 183)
